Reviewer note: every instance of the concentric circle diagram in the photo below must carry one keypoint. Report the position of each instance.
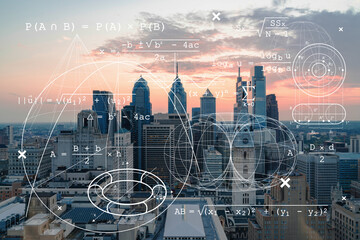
(111, 187)
(319, 70)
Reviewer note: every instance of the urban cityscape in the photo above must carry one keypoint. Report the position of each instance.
(180, 124)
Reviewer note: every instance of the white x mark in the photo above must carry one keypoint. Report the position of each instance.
(216, 16)
(285, 182)
(341, 29)
(59, 208)
(343, 198)
(22, 154)
(102, 51)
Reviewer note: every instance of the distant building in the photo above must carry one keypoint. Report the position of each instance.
(37, 162)
(11, 213)
(182, 147)
(141, 114)
(208, 119)
(196, 132)
(7, 135)
(212, 168)
(158, 144)
(3, 152)
(184, 225)
(272, 112)
(37, 227)
(321, 171)
(241, 95)
(294, 222)
(337, 146)
(346, 219)
(9, 189)
(259, 94)
(122, 158)
(195, 114)
(354, 144)
(355, 189)
(272, 109)
(104, 106)
(348, 170)
(85, 148)
(177, 96)
(244, 163)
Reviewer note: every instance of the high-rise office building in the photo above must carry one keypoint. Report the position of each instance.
(321, 171)
(104, 106)
(159, 150)
(7, 135)
(207, 104)
(355, 144)
(141, 115)
(177, 96)
(272, 110)
(208, 118)
(348, 168)
(259, 93)
(241, 88)
(293, 221)
(196, 132)
(195, 115)
(182, 148)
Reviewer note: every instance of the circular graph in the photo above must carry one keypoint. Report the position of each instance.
(319, 70)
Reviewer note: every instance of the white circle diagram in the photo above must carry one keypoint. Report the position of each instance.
(153, 186)
(319, 70)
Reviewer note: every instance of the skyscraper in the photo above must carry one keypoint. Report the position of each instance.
(259, 81)
(207, 104)
(103, 105)
(272, 110)
(208, 118)
(180, 161)
(177, 96)
(141, 116)
(159, 150)
(241, 88)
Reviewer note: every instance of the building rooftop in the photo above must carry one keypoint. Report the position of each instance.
(53, 231)
(87, 215)
(176, 223)
(12, 208)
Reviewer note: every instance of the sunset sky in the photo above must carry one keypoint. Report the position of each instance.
(31, 60)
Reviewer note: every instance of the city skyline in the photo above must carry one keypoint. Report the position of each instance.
(196, 68)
